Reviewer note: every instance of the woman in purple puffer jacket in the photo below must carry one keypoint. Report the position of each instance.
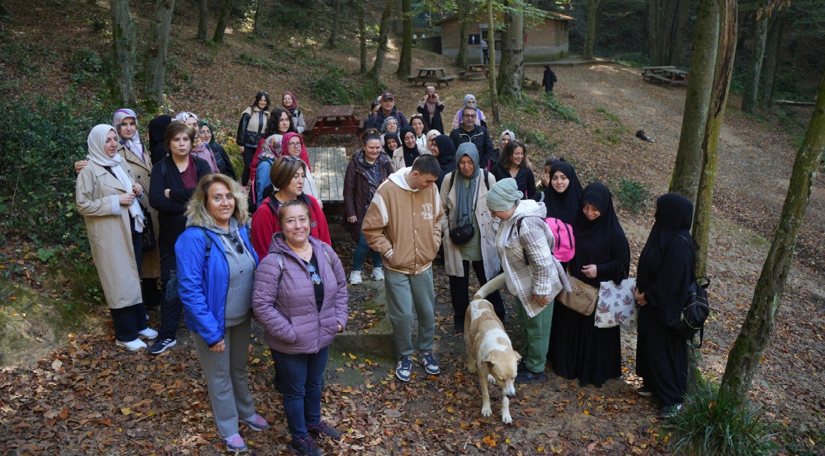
(300, 298)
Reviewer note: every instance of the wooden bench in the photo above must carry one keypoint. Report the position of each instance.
(310, 126)
(329, 166)
(430, 76)
(334, 120)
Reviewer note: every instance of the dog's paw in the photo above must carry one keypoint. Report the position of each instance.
(487, 410)
(471, 367)
(506, 418)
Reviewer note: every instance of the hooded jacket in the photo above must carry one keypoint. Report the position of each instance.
(283, 298)
(404, 224)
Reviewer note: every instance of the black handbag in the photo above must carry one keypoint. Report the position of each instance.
(461, 235)
(695, 311)
(147, 237)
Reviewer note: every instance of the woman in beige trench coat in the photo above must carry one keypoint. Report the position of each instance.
(107, 198)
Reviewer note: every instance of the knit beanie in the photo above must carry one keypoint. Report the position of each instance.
(503, 195)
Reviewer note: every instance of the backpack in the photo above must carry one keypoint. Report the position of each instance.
(252, 195)
(565, 247)
(696, 309)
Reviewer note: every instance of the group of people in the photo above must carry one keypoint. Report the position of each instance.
(202, 245)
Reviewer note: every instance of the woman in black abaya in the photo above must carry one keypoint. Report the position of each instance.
(593, 355)
(445, 153)
(664, 275)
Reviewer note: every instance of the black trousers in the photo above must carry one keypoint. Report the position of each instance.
(248, 153)
(128, 321)
(460, 289)
(170, 311)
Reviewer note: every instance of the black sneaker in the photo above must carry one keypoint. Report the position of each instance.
(521, 368)
(161, 346)
(305, 447)
(324, 429)
(403, 370)
(531, 377)
(644, 391)
(430, 364)
(669, 411)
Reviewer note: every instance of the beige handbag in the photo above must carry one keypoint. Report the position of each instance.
(582, 299)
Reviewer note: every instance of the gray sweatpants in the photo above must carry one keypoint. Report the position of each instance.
(405, 292)
(227, 377)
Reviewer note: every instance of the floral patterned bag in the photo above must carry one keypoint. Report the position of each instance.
(617, 305)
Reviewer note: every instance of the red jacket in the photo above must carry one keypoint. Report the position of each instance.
(265, 223)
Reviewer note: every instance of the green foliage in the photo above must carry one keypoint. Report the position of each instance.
(260, 62)
(632, 194)
(291, 16)
(711, 423)
(635, 60)
(332, 85)
(86, 66)
(607, 114)
(536, 138)
(558, 109)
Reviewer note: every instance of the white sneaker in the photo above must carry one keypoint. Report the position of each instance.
(355, 277)
(148, 333)
(134, 345)
(378, 273)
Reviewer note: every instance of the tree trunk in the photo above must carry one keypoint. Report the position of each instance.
(666, 22)
(751, 94)
(728, 21)
(259, 18)
(758, 326)
(491, 46)
(405, 60)
(590, 37)
(124, 38)
(771, 58)
(362, 36)
(463, 8)
(679, 26)
(333, 34)
(688, 166)
(4, 13)
(203, 19)
(383, 37)
(158, 47)
(223, 21)
(511, 69)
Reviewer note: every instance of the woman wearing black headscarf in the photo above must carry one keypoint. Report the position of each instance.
(562, 198)
(157, 140)
(444, 151)
(593, 355)
(664, 275)
(408, 149)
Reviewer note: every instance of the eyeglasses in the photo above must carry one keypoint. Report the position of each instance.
(236, 241)
(294, 144)
(313, 274)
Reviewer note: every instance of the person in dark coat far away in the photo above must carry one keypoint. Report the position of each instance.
(663, 277)
(549, 79)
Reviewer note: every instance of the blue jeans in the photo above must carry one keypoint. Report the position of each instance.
(301, 387)
(360, 255)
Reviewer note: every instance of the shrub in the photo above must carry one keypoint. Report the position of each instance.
(632, 194)
(558, 109)
(85, 65)
(712, 423)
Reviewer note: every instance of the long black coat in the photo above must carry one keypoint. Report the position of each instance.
(357, 189)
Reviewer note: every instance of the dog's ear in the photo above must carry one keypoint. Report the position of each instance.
(489, 364)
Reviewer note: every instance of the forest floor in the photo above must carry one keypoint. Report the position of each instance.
(87, 397)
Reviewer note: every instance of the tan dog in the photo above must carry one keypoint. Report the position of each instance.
(489, 351)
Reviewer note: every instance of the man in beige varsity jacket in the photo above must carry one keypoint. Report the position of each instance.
(403, 224)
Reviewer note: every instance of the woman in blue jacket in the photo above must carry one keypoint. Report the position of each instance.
(216, 268)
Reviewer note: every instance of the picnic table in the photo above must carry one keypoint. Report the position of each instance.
(329, 165)
(430, 76)
(334, 120)
(665, 74)
(475, 71)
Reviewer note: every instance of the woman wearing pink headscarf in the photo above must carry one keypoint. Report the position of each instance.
(290, 103)
(293, 145)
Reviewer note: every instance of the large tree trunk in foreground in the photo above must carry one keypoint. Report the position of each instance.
(158, 47)
(688, 166)
(774, 45)
(758, 326)
(728, 18)
(751, 94)
(491, 39)
(405, 60)
(511, 70)
(383, 38)
(590, 36)
(223, 21)
(463, 7)
(362, 36)
(203, 19)
(124, 38)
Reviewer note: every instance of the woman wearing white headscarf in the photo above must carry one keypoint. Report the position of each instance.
(107, 198)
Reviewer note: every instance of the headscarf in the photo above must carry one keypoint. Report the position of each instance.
(465, 194)
(285, 147)
(398, 143)
(272, 147)
(674, 216)
(467, 99)
(96, 142)
(157, 133)
(446, 154)
(294, 105)
(430, 135)
(601, 240)
(508, 133)
(564, 206)
(504, 195)
(386, 120)
(410, 153)
(212, 141)
(132, 143)
(183, 116)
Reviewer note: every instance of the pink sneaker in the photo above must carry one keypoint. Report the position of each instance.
(255, 423)
(235, 443)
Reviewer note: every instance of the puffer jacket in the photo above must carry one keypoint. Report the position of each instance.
(283, 298)
(203, 283)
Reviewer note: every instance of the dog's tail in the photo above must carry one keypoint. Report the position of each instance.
(489, 287)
